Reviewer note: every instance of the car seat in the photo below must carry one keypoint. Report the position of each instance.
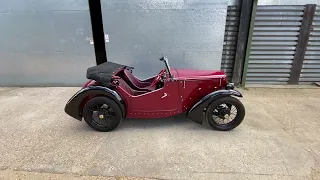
(124, 86)
(136, 83)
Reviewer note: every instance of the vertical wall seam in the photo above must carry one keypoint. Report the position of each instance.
(302, 43)
(250, 34)
(245, 17)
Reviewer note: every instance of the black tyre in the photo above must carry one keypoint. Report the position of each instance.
(227, 109)
(102, 114)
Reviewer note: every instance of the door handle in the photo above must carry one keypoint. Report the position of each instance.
(164, 95)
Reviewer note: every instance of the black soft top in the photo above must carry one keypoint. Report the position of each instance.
(103, 72)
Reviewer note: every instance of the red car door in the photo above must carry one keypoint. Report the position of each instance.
(163, 102)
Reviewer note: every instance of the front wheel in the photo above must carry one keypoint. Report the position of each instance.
(102, 114)
(225, 113)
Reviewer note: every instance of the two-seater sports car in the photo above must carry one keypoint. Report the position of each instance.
(113, 93)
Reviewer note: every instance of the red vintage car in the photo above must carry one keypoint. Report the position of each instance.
(113, 93)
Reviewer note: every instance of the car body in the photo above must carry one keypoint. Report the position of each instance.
(173, 91)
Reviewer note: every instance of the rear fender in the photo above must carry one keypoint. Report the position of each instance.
(196, 113)
(76, 103)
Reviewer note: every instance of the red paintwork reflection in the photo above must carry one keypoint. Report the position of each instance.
(195, 84)
(187, 88)
(190, 73)
(163, 102)
(89, 83)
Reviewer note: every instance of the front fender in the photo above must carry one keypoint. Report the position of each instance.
(196, 113)
(75, 104)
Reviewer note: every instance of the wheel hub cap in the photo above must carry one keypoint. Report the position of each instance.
(223, 112)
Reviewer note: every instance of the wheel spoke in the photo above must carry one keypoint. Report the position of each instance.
(232, 109)
(233, 113)
(218, 120)
(224, 113)
(222, 121)
(105, 106)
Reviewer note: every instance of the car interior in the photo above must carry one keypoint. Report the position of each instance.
(134, 86)
(125, 86)
(134, 82)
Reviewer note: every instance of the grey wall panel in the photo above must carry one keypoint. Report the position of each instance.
(44, 43)
(141, 4)
(190, 33)
(42, 5)
(45, 32)
(310, 71)
(273, 46)
(27, 32)
(44, 69)
(165, 4)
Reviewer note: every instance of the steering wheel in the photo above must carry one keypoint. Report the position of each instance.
(158, 78)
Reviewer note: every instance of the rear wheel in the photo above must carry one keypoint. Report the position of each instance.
(225, 113)
(102, 114)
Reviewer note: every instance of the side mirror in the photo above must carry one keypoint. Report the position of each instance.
(163, 58)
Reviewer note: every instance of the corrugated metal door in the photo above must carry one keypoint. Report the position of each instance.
(275, 36)
(230, 40)
(310, 71)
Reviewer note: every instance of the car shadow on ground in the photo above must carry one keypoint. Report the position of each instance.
(179, 121)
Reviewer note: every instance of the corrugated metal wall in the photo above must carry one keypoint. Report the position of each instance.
(230, 40)
(275, 36)
(310, 71)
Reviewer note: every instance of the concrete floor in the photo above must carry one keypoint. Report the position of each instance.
(279, 139)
